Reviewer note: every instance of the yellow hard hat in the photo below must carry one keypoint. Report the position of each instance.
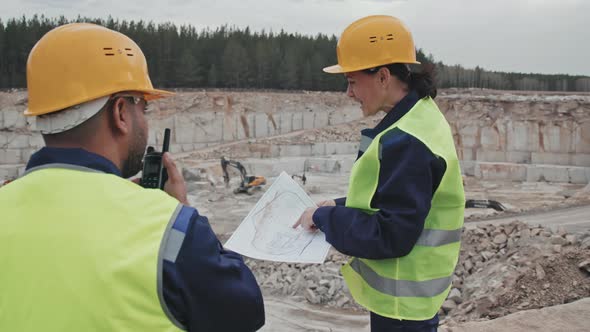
(79, 62)
(371, 42)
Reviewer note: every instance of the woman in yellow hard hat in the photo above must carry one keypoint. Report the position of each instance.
(402, 217)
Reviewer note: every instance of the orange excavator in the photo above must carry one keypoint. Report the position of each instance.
(248, 183)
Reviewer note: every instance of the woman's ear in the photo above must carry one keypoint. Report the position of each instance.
(120, 117)
(384, 75)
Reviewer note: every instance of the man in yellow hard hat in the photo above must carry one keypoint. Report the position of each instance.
(84, 249)
(402, 217)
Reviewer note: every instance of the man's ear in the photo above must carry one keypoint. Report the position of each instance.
(120, 117)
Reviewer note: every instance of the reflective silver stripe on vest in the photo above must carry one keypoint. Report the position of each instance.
(168, 251)
(400, 288)
(439, 237)
(173, 244)
(365, 142)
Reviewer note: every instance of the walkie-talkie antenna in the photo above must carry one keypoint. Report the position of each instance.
(166, 144)
(165, 147)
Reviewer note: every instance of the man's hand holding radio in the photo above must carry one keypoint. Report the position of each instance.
(175, 186)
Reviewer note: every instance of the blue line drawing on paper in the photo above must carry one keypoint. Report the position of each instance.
(273, 223)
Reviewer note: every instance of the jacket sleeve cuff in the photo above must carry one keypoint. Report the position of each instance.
(340, 201)
(321, 216)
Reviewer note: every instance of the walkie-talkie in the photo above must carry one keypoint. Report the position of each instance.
(154, 173)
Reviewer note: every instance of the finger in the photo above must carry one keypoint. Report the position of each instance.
(329, 202)
(136, 180)
(174, 174)
(297, 223)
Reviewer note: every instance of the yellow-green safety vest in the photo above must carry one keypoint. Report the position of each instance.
(412, 287)
(82, 250)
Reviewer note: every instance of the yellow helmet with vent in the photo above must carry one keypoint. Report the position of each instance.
(371, 42)
(79, 62)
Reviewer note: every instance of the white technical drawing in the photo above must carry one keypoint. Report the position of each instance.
(267, 233)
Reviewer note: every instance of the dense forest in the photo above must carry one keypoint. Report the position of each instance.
(229, 57)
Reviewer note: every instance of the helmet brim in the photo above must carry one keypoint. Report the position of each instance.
(335, 69)
(154, 94)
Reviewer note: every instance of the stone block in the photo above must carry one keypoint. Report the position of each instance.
(579, 175)
(295, 150)
(271, 168)
(184, 131)
(465, 154)
(318, 149)
(341, 148)
(490, 139)
(174, 148)
(10, 156)
(346, 163)
(581, 160)
(187, 147)
(286, 123)
(297, 121)
(13, 118)
(469, 136)
(523, 136)
(547, 158)
(4, 135)
(500, 171)
(336, 118)
(8, 172)
(229, 126)
(490, 156)
(18, 141)
(468, 167)
(518, 157)
(323, 165)
(261, 124)
(198, 146)
(321, 120)
(582, 138)
(308, 119)
(556, 137)
(208, 129)
(549, 173)
(275, 151)
(351, 113)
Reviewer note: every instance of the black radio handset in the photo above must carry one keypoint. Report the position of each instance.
(154, 173)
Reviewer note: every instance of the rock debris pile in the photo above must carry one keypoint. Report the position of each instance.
(502, 269)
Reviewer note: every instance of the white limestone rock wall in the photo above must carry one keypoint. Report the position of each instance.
(209, 118)
(553, 130)
(522, 137)
(17, 141)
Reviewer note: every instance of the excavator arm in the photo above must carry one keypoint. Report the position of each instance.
(247, 183)
(485, 204)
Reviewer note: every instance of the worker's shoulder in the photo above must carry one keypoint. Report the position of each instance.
(398, 138)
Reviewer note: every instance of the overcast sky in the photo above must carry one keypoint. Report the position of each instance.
(541, 36)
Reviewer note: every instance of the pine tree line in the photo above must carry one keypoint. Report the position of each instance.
(228, 57)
